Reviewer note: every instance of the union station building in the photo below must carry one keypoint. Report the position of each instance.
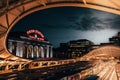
(30, 44)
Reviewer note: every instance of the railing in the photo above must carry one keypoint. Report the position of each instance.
(10, 66)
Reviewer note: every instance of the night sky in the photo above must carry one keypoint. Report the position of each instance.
(63, 24)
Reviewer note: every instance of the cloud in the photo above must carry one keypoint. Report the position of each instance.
(115, 23)
(86, 23)
(79, 19)
(95, 22)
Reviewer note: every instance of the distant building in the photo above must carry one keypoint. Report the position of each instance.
(115, 40)
(119, 34)
(80, 43)
(105, 44)
(31, 44)
(61, 52)
(78, 48)
(75, 48)
(94, 47)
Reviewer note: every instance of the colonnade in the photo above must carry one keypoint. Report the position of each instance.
(30, 51)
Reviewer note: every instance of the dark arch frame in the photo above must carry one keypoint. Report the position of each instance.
(11, 14)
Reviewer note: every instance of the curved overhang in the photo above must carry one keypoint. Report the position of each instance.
(11, 13)
(104, 51)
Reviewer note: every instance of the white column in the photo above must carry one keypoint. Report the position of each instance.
(37, 51)
(27, 51)
(42, 52)
(51, 52)
(47, 51)
(10, 46)
(19, 49)
(32, 55)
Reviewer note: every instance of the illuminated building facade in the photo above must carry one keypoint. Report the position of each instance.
(31, 45)
(74, 49)
(79, 48)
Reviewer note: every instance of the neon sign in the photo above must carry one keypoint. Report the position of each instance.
(35, 34)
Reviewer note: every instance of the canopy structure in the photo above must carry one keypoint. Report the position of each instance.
(105, 52)
(11, 11)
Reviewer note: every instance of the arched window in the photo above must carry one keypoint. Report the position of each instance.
(35, 51)
(40, 52)
(24, 52)
(30, 51)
